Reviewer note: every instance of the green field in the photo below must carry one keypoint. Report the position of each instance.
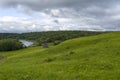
(86, 58)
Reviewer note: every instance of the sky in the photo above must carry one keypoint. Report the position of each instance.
(19, 16)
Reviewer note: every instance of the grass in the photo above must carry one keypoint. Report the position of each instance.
(87, 58)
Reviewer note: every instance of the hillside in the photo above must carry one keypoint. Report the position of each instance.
(48, 36)
(86, 58)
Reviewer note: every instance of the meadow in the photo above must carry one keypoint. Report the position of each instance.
(85, 58)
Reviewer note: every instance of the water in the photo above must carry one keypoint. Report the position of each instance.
(26, 43)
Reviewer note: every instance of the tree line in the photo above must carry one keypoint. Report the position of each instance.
(54, 37)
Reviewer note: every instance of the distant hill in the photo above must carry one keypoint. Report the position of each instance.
(49, 36)
(85, 58)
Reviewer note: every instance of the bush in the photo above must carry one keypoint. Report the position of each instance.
(56, 42)
(10, 45)
(71, 52)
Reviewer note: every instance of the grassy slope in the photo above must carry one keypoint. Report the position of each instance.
(88, 58)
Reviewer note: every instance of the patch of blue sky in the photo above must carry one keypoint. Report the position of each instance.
(15, 13)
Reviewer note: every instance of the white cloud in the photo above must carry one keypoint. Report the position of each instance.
(20, 24)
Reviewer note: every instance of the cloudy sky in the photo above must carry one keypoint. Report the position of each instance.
(44, 15)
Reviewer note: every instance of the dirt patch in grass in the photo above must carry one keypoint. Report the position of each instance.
(49, 59)
(2, 57)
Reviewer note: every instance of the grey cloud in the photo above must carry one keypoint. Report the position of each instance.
(68, 14)
(56, 21)
(38, 5)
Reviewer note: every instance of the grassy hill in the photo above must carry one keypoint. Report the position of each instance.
(87, 58)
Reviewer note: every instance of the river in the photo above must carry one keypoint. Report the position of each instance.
(26, 43)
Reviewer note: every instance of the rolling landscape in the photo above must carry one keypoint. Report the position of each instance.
(59, 39)
(85, 58)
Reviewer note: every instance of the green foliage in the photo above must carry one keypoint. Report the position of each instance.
(56, 42)
(10, 44)
(53, 36)
(50, 36)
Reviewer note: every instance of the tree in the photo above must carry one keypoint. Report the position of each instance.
(10, 44)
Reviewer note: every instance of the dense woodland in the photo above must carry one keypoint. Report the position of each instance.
(50, 36)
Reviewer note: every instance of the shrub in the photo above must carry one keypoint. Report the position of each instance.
(71, 52)
(56, 42)
(10, 44)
